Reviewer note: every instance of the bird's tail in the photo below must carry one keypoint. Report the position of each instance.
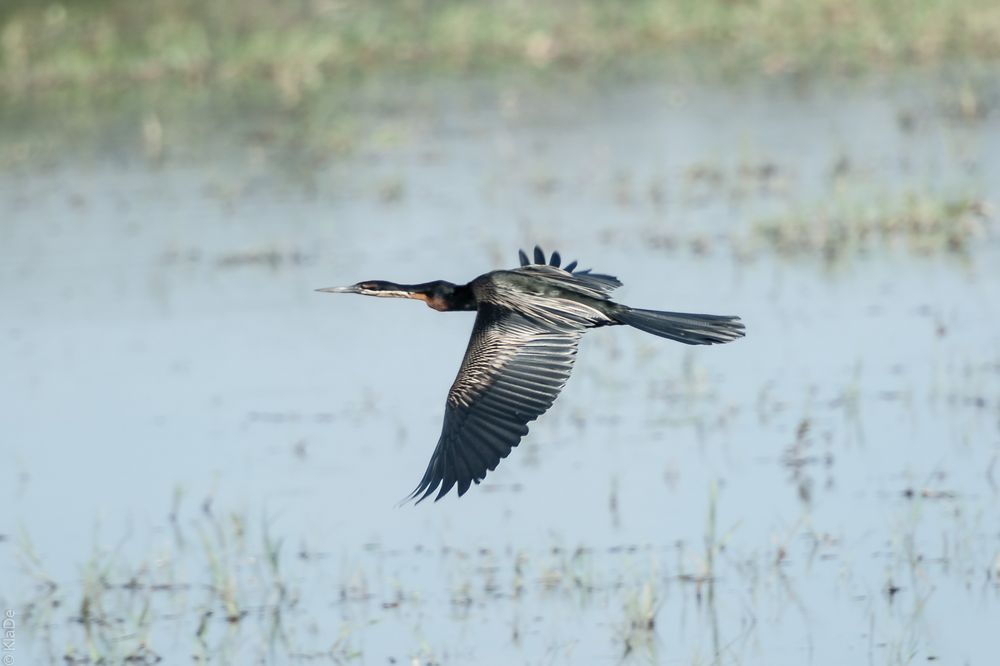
(691, 329)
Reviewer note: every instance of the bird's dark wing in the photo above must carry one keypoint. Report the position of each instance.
(590, 284)
(596, 281)
(513, 371)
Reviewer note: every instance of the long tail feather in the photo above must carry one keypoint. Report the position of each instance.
(691, 329)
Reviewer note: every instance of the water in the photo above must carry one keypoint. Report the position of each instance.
(190, 428)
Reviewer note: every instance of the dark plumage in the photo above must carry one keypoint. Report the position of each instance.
(528, 324)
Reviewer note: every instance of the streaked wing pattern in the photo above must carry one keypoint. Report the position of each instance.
(514, 368)
(590, 284)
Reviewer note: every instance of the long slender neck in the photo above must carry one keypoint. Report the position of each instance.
(445, 296)
(461, 298)
(439, 294)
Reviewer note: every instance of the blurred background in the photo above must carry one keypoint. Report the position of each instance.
(201, 457)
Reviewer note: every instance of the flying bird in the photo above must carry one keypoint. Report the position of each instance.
(529, 321)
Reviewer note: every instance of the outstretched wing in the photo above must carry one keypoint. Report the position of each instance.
(514, 368)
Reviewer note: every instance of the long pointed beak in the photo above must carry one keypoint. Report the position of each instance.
(340, 290)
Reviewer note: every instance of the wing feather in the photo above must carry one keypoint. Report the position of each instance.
(513, 370)
(595, 281)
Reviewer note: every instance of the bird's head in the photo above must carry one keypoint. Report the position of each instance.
(438, 294)
(374, 288)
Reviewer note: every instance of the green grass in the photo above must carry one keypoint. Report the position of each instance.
(919, 223)
(298, 44)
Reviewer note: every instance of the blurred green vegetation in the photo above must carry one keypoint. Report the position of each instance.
(296, 45)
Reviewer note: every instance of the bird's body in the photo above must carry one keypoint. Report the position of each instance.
(528, 324)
